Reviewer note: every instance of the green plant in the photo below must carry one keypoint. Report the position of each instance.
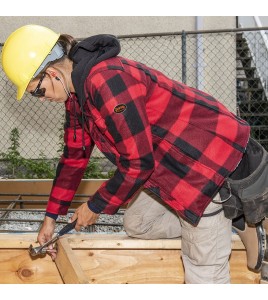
(20, 167)
(93, 170)
(12, 157)
(40, 168)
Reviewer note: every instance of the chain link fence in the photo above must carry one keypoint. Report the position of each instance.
(230, 65)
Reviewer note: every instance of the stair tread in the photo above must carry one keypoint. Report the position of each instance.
(254, 102)
(251, 114)
(243, 58)
(249, 89)
(246, 68)
(242, 48)
(248, 79)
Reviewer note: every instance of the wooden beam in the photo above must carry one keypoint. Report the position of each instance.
(18, 241)
(43, 186)
(101, 241)
(70, 270)
(122, 241)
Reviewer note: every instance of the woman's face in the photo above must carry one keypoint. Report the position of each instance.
(47, 87)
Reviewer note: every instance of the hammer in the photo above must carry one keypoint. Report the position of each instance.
(41, 250)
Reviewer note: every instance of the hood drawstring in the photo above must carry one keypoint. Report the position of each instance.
(83, 133)
(76, 118)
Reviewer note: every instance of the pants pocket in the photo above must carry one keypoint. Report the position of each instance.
(197, 245)
(210, 242)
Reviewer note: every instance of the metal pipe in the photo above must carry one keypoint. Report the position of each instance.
(199, 55)
(180, 33)
(193, 32)
(58, 222)
(183, 58)
(33, 210)
(38, 195)
(10, 207)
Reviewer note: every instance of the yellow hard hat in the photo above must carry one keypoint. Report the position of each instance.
(24, 52)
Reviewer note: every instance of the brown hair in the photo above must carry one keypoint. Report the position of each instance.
(67, 42)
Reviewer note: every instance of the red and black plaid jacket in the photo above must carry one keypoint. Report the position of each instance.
(177, 141)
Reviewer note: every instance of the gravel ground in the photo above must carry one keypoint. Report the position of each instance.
(116, 222)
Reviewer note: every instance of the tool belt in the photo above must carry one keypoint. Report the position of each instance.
(245, 191)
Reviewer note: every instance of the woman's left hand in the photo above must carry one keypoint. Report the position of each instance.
(84, 217)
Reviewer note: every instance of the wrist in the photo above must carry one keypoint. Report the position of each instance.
(49, 220)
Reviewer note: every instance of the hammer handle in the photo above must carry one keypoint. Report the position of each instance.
(67, 228)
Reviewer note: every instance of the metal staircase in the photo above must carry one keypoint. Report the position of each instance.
(252, 101)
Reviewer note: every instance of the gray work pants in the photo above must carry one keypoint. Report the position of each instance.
(205, 248)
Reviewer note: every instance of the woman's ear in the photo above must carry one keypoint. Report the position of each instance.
(52, 73)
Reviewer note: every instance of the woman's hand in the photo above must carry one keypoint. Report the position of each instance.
(84, 217)
(46, 233)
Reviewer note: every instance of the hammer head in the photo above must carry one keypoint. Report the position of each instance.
(35, 251)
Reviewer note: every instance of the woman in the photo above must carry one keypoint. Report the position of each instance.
(173, 145)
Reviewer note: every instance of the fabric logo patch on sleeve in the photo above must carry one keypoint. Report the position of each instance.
(120, 108)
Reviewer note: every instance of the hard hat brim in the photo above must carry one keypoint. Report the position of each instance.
(20, 92)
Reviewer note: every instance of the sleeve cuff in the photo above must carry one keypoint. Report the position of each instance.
(51, 215)
(93, 208)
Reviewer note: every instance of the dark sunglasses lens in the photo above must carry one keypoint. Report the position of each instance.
(39, 92)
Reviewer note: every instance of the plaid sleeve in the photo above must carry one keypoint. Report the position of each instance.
(120, 100)
(70, 169)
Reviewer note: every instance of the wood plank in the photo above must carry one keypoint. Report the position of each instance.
(101, 241)
(69, 268)
(17, 267)
(131, 266)
(43, 186)
(18, 241)
(122, 241)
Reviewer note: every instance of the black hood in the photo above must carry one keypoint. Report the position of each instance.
(87, 54)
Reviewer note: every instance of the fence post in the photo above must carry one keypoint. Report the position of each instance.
(183, 53)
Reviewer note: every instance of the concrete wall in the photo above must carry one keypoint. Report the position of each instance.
(86, 26)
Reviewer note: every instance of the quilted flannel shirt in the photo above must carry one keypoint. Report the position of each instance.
(177, 141)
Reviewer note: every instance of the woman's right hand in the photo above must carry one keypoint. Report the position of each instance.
(46, 233)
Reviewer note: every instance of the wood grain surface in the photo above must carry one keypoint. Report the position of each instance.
(104, 258)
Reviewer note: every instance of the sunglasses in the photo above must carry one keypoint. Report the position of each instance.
(39, 92)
